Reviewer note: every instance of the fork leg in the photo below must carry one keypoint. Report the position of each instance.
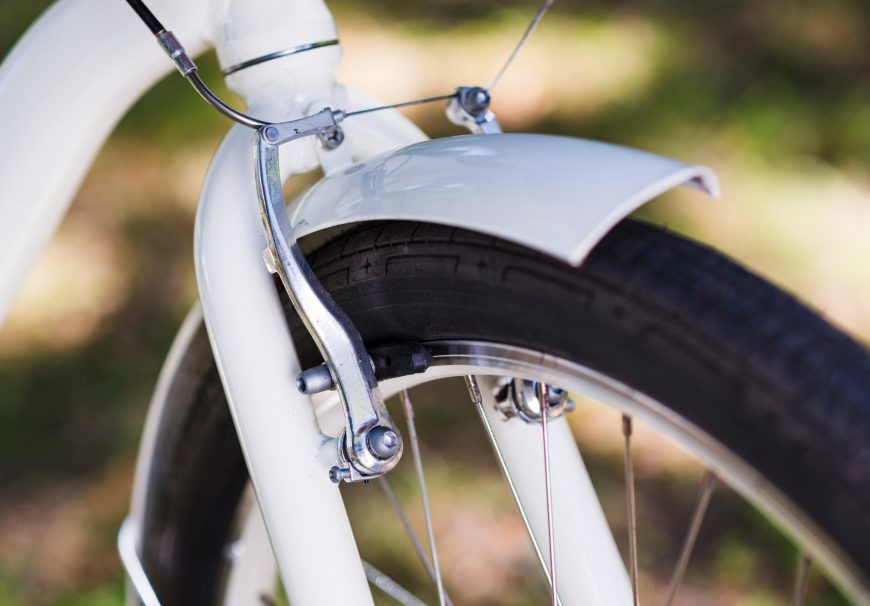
(305, 516)
(593, 573)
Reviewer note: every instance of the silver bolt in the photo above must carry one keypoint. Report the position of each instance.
(337, 474)
(390, 439)
(383, 442)
(272, 133)
(315, 380)
(554, 395)
(331, 138)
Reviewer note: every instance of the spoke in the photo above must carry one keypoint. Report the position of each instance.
(390, 587)
(415, 541)
(474, 392)
(708, 483)
(543, 402)
(802, 579)
(630, 507)
(418, 465)
(542, 10)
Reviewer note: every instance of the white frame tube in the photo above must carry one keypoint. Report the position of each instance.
(303, 510)
(63, 87)
(590, 569)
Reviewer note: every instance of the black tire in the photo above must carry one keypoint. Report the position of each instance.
(768, 378)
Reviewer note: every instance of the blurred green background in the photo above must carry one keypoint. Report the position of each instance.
(775, 95)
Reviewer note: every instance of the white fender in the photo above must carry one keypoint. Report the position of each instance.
(557, 195)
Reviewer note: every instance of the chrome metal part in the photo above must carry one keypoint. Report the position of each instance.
(172, 47)
(315, 380)
(708, 483)
(133, 565)
(519, 398)
(331, 139)
(293, 50)
(383, 442)
(176, 52)
(273, 135)
(630, 506)
(474, 393)
(424, 496)
(213, 100)
(469, 108)
(335, 335)
(543, 398)
(340, 474)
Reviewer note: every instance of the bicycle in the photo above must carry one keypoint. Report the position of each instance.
(432, 267)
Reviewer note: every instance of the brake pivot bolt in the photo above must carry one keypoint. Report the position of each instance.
(383, 442)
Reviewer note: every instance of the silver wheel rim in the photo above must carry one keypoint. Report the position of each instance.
(459, 358)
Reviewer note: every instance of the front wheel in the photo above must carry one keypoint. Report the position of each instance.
(758, 387)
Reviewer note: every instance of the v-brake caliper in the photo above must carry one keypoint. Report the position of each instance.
(371, 444)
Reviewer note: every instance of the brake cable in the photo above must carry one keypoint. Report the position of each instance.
(188, 69)
(170, 44)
